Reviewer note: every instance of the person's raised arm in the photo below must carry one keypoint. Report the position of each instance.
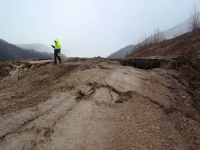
(53, 46)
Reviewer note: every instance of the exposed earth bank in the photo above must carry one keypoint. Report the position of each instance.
(150, 103)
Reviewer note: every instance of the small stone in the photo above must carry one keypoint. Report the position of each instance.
(140, 131)
(184, 97)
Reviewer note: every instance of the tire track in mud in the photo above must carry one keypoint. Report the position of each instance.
(45, 96)
(22, 128)
(19, 129)
(67, 111)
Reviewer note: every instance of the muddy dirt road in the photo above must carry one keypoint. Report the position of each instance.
(100, 104)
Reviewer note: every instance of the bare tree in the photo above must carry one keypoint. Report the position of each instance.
(145, 40)
(161, 37)
(194, 22)
(146, 43)
(158, 36)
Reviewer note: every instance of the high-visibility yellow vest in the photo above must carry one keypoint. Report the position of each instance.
(58, 45)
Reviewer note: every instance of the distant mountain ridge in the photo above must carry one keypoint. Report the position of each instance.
(10, 52)
(122, 52)
(177, 30)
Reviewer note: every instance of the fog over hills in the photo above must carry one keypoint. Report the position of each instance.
(36, 47)
(122, 52)
(168, 34)
(177, 30)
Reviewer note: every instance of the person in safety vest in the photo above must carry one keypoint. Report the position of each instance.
(57, 49)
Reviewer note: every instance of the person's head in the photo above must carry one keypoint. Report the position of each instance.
(56, 41)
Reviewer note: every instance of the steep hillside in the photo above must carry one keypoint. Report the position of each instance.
(10, 52)
(36, 47)
(100, 104)
(168, 34)
(187, 45)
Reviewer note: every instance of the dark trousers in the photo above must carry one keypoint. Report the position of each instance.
(56, 55)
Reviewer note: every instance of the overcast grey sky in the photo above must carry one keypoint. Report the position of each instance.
(88, 28)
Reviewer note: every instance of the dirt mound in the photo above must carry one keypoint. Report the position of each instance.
(98, 103)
